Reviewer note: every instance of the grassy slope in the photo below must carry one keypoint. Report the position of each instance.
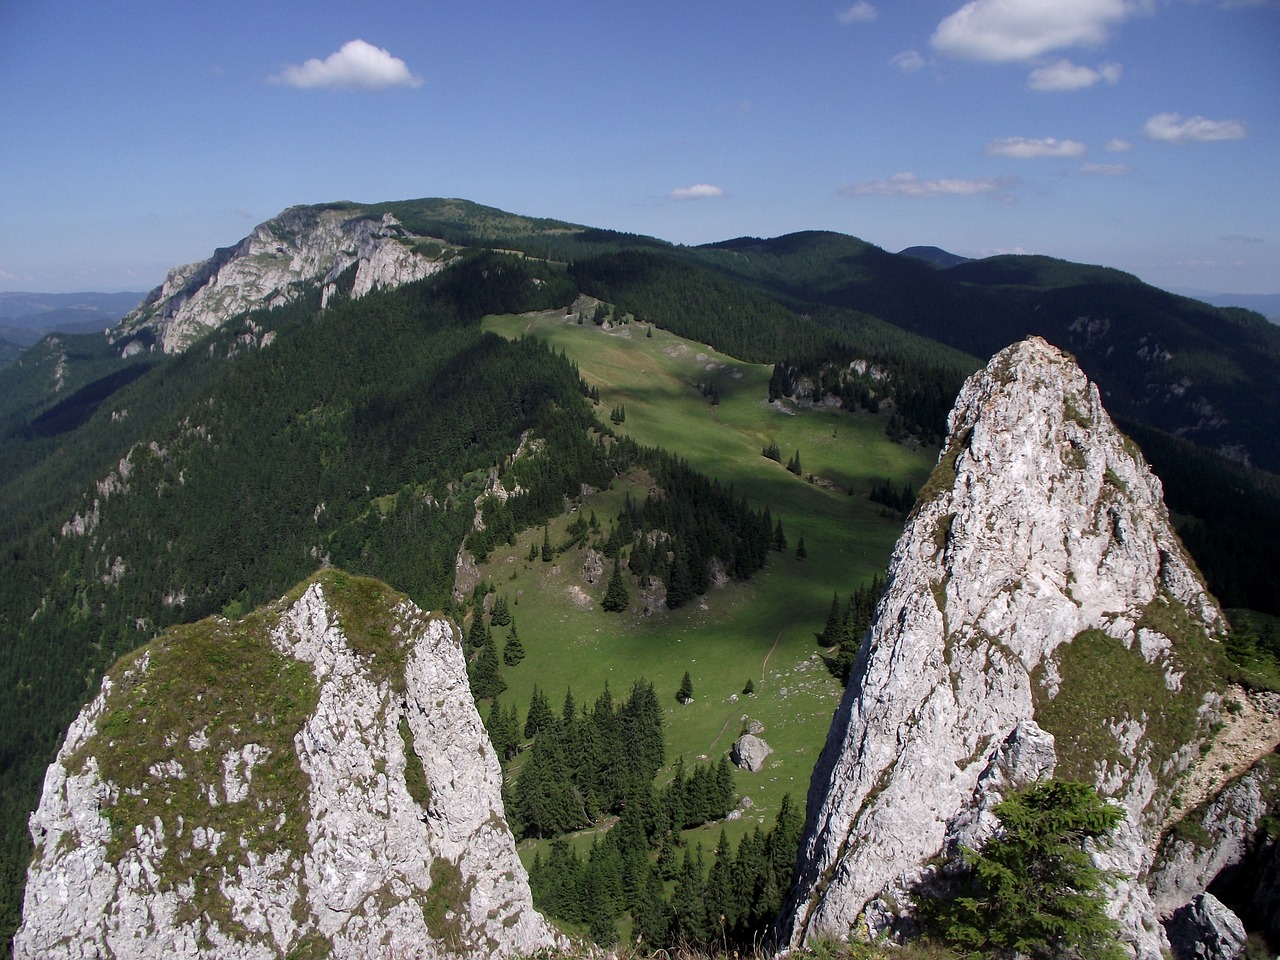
(764, 630)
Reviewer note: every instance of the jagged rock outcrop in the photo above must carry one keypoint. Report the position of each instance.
(1205, 929)
(1038, 588)
(273, 266)
(312, 780)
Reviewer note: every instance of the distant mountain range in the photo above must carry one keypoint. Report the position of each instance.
(26, 318)
(1267, 304)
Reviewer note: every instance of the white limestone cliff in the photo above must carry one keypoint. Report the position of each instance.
(1039, 612)
(272, 266)
(314, 780)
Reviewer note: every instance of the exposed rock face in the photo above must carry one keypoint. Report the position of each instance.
(1217, 835)
(313, 780)
(1205, 929)
(1038, 588)
(272, 266)
(750, 752)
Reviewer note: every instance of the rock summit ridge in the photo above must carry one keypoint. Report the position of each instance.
(312, 780)
(1039, 614)
(273, 266)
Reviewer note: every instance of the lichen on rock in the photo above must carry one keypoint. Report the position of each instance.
(303, 778)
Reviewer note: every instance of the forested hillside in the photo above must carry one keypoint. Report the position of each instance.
(392, 436)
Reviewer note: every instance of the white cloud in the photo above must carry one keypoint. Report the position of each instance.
(699, 191)
(1116, 145)
(909, 185)
(908, 61)
(860, 12)
(1065, 75)
(1105, 169)
(1171, 128)
(356, 66)
(1003, 31)
(1024, 148)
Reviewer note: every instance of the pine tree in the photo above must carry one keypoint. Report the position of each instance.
(547, 555)
(539, 717)
(685, 693)
(500, 616)
(833, 632)
(749, 688)
(794, 463)
(722, 897)
(486, 679)
(616, 598)
(512, 650)
(689, 899)
(779, 538)
(1033, 886)
(801, 552)
(478, 632)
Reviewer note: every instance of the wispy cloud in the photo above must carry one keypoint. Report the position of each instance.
(909, 185)
(1171, 128)
(1004, 31)
(1240, 238)
(699, 191)
(1065, 76)
(356, 66)
(1024, 148)
(1116, 145)
(1105, 169)
(860, 12)
(908, 61)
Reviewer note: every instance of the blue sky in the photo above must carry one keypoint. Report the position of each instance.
(1140, 134)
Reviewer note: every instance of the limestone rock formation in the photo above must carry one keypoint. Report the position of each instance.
(311, 781)
(1205, 929)
(272, 266)
(1039, 614)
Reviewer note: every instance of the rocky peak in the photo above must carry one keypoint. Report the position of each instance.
(1039, 613)
(273, 266)
(313, 780)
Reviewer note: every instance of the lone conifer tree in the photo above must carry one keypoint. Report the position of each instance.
(685, 693)
(616, 598)
(513, 649)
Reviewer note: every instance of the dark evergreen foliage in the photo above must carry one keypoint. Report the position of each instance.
(727, 907)
(1033, 889)
(616, 598)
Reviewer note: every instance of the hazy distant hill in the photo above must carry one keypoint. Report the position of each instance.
(27, 317)
(1267, 304)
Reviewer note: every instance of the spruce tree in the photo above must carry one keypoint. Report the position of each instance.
(539, 717)
(486, 680)
(801, 552)
(512, 650)
(832, 632)
(685, 693)
(616, 598)
(1033, 888)
(547, 555)
(500, 616)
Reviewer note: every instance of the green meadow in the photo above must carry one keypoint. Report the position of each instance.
(765, 630)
